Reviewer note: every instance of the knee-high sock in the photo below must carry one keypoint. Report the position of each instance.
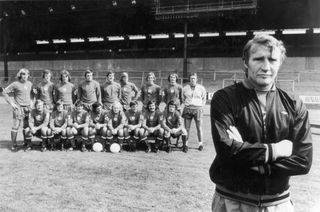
(167, 140)
(14, 134)
(184, 140)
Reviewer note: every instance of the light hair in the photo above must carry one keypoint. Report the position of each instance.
(264, 40)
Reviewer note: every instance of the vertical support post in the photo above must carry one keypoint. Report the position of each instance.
(4, 45)
(185, 47)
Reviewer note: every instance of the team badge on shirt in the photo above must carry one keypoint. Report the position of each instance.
(38, 117)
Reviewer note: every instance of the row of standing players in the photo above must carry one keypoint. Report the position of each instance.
(106, 113)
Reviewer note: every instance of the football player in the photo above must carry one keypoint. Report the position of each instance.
(116, 123)
(111, 92)
(57, 132)
(133, 131)
(172, 124)
(38, 125)
(98, 123)
(152, 125)
(150, 92)
(78, 125)
(21, 104)
(65, 91)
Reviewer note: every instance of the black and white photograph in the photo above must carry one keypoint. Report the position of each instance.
(159, 105)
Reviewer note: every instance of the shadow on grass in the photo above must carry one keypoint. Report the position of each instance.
(5, 144)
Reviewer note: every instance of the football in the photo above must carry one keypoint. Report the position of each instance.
(97, 147)
(115, 148)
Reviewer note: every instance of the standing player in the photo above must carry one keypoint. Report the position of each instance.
(22, 101)
(116, 123)
(65, 91)
(173, 92)
(78, 125)
(89, 91)
(261, 135)
(172, 124)
(133, 131)
(98, 123)
(194, 98)
(111, 92)
(44, 90)
(38, 125)
(152, 125)
(58, 126)
(150, 92)
(127, 90)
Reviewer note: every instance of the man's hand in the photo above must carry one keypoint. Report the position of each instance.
(151, 129)
(234, 134)
(283, 149)
(114, 131)
(14, 106)
(34, 130)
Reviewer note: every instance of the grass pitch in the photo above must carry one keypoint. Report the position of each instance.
(90, 181)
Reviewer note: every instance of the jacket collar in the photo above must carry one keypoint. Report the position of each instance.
(249, 86)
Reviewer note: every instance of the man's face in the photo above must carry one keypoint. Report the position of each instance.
(47, 77)
(172, 79)
(116, 108)
(110, 77)
(59, 108)
(193, 80)
(65, 78)
(150, 80)
(39, 106)
(124, 79)
(98, 110)
(89, 77)
(79, 108)
(152, 107)
(134, 108)
(172, 108)
(23, 76)
(263, 65)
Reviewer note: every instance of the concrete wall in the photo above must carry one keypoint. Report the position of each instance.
(299, 64)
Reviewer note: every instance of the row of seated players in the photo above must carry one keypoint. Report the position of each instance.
(60, 128)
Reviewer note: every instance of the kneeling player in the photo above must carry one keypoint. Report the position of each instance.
(58, 126)
(78, 125)
(115, 124)
(133, 131)
(152, 125)
(98, 123)
(38, 125)
(172, 124)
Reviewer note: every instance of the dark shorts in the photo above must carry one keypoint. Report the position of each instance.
(22, 113)
(87, 107)
(68, 107)
(37, 134)
(195, 114)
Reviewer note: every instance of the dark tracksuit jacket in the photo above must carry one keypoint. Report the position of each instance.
(286, 118)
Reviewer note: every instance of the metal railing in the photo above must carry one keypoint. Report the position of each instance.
(205, 7)
(226, 82)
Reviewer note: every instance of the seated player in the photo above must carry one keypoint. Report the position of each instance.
(115, 124)
(57, 132)
(98, 123)
(38, 125)
(133, 131)
(172, 125)
(152, 125)
(78, 124)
